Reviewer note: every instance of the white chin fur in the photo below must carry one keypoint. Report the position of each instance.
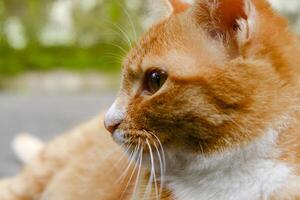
(118, 137)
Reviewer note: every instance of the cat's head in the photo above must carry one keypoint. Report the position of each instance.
(207, 78)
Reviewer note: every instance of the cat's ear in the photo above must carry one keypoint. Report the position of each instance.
(179, 6)
(161, 9)
(232, 20)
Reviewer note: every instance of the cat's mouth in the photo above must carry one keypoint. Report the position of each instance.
(131, 138)
(145, 155)
(141, 143)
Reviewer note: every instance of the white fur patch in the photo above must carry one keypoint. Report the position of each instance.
(248, 173)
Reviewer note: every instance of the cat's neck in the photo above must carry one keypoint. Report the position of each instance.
(249, 172)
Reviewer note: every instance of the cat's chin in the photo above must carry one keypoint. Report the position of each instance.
(118, 137)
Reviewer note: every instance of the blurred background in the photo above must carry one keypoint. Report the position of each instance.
(60, 62)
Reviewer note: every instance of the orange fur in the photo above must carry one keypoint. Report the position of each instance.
(231, 77)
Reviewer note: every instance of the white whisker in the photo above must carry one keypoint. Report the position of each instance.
(149, 184)
(162, 170)
(132, 157)
(139, 172)
(124, 34)
(133, 171)
(131, 23)
(162, 150)
(153, 169)
(119, 47)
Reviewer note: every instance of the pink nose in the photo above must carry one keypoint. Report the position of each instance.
(111, 127)
(114, 117)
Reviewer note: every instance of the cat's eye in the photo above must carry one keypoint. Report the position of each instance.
(154, 80)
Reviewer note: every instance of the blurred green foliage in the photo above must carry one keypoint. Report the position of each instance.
(39, 58)
(96, 34)
(81, 35)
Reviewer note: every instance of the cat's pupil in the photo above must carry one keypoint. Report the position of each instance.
(155, 80)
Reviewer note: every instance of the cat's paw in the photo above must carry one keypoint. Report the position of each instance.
(27, 147)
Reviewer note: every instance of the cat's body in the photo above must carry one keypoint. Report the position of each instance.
(209, 105)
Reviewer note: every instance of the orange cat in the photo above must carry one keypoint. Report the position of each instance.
(208, 109)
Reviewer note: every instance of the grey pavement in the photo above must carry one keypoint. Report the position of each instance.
(44, 116)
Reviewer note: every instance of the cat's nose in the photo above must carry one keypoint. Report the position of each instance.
(111, 127)
(113, 118)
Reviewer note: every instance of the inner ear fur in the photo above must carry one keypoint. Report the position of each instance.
(226, 19)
